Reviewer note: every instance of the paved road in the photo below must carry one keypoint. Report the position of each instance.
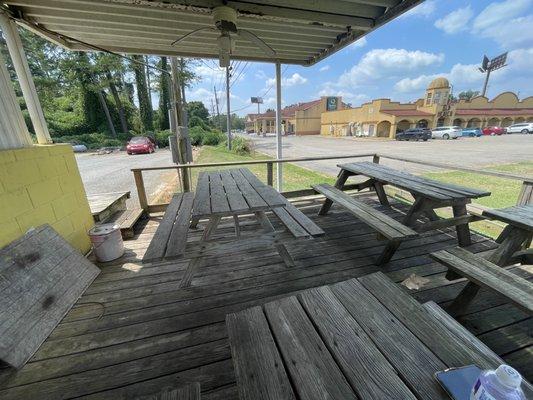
(472, 152)
(111, 172)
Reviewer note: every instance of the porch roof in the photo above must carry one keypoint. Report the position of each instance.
(300, 31)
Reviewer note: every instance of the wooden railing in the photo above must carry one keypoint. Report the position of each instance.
(269, 164)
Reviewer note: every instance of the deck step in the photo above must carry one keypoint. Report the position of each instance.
(105, 205)
(126, 219)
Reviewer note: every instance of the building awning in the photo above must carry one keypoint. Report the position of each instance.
(300, 31)
(407, 113)
(495, 111)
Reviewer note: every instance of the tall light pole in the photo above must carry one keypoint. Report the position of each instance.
(487, 66)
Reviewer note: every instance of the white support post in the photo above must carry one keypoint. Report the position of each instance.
(18, 56)
(228, 109)
(279, 167)
(13, 131)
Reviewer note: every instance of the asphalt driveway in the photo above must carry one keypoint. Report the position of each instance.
(111, 172)
(470, 152)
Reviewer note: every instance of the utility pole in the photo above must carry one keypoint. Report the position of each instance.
(228, 116)
(218, 111)
(487, 66)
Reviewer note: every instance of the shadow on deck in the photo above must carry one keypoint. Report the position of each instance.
(135, 331)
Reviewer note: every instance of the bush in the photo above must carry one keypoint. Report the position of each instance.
(213, 138)
(240, 145)
(196, 134)
(161, 138)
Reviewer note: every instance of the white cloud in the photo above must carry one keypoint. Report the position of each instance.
(358, 43)
(209, 72)
(260, 74)
(425, 9)
(324, 68)
(386, 63)
(507, 23)
(293, 80)
(456, 21)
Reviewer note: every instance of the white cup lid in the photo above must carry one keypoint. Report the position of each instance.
(508, 376)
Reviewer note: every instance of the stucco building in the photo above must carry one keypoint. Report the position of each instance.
(383, 117)
(299, 119)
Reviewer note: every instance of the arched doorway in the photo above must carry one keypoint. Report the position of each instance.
(403, 125)
(473, 123)
(383, 129)
(506, 122)
(493, 122)
(519, 120)
(440, 121)
(530, 119)
(423, 123)
(458, 122)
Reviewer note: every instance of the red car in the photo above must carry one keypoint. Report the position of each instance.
(494, 130)
(140, 145)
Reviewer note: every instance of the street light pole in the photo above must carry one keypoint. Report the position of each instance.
(278, 128)
(228, 116)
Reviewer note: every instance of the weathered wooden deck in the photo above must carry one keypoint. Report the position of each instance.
(135, 331)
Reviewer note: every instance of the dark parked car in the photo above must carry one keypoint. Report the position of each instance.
(140, 145)
(414, 134)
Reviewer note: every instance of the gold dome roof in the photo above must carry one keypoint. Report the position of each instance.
(439, 83)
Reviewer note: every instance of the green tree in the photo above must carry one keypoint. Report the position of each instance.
(197, 109)
(468, 95)
(164, 95)
(145, 110)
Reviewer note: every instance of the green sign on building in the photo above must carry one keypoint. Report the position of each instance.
(331, 104)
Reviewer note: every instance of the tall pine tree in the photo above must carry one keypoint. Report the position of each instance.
(145, 110)
(164, 95)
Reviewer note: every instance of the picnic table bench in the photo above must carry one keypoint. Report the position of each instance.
(429, 195)
(363, 338)
(226, 193)
(488, 272)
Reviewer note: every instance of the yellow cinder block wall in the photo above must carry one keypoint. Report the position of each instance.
(42, 184)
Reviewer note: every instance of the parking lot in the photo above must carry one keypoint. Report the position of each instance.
(472, 152)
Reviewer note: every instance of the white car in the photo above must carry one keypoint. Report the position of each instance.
(446, 132)
(524, 127)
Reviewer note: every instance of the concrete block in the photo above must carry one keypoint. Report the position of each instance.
(59, 163)
(20, 174)
(29, 153)
(79, 239)
(7, 156)
(64, 227)
(46, 168)
(9, 231)
(14, 203)
(37, 216)
(59, 148)
(44, 192)
(65, 205)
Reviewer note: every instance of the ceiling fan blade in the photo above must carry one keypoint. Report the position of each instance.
(192, 33)
(251, 37)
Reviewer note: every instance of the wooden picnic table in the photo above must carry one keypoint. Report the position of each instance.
(429, 195)
(363, 338)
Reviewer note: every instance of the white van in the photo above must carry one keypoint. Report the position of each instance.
(524, 127)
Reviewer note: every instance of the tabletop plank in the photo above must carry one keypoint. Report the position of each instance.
(520, 216)
(411, 313)
(219, 201)
(258, 364)
(413, 361)
(236, 200)
(365, 367)
(270, 195)
(314, 372)
(254, 200)
(202, 202)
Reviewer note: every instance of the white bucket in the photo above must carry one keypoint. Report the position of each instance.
(107, 242)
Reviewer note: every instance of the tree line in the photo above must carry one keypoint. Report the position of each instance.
(103, 97)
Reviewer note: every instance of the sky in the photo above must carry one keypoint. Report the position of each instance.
(437, 38)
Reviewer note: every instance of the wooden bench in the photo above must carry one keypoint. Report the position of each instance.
(386, 226)
(483, 273)
(170, 237)
(297, 222)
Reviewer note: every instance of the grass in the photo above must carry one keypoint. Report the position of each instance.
(504, 192)
(294, 177)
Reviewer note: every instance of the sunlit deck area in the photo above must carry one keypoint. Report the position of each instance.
(135, 331)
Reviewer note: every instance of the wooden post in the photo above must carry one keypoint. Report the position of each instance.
(270, 173)
(141, 191)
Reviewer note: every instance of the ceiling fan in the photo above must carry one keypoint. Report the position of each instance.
(225, 20)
